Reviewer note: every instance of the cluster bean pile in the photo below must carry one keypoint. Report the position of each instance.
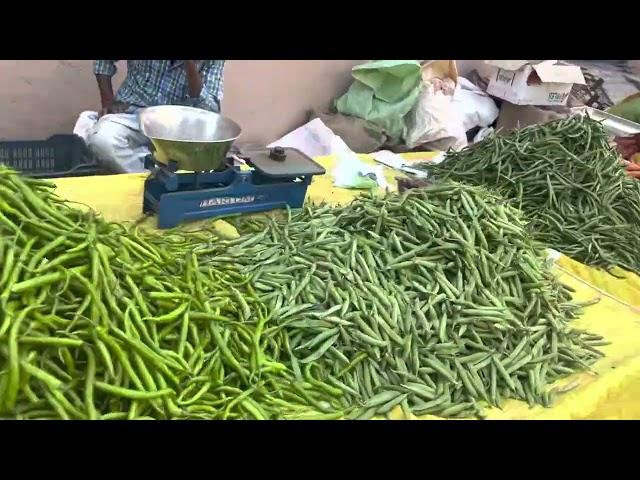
(437, 301)
(100, 322)
(568, 181)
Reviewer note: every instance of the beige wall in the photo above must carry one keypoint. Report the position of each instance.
(267, 97)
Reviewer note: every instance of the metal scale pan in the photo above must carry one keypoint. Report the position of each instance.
(196, 140)
(193, 179)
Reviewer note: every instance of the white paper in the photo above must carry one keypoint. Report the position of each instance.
(314, 139)
(552, 256)
(439, 158)
(389, 159)
(396, 162)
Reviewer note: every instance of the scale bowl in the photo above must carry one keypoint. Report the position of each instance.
(197, 140)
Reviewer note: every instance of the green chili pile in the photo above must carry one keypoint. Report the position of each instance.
(568, 181)
(98, 321)
(437, 301)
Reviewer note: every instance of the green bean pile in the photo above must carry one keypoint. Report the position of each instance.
(98, 321)
(568, 181)
(437, 301)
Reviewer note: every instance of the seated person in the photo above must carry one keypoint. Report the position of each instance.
(116, 140)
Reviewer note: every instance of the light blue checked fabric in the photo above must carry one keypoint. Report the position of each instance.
(164, 82)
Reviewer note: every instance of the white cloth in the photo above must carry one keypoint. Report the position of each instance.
(85, 124)
(118, 144)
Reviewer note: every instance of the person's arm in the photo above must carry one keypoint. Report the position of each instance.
(194, 79)
(104, 71)
(204, 83)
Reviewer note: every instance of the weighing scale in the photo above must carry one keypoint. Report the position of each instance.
(193, 177)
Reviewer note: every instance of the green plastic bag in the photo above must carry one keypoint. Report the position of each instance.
(383, 92)
(628, 109)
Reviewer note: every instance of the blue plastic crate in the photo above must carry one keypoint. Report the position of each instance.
(58, 156)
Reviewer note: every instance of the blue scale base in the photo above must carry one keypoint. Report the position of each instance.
(183, 197)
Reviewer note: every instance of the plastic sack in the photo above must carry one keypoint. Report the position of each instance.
(435, 120)
(476, 108)
(383, 93)
(361, 136)
(351, 172)
(628, 109)
(85, 124)
(482, 134)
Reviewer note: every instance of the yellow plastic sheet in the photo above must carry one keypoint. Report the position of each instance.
(322, 189)
(119, 197)
(626, 289)
(612, 391)
(597, 394)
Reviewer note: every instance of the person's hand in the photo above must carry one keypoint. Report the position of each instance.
(632, 169)
(114, 107)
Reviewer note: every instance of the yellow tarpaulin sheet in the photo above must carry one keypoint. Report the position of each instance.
(626, 289)
(611, 391)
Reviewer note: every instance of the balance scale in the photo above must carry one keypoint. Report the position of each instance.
(193, 177)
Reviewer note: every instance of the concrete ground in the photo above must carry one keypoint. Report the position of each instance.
(621, 77)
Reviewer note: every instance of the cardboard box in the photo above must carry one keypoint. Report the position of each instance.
(533, 82)
(513, 117)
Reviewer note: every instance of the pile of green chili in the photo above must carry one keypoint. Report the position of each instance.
(99, 321)
(437, 301)
(569, 182)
